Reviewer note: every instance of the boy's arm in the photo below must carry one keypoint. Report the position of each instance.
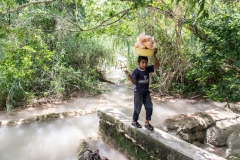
(156, 65)
(130, 77)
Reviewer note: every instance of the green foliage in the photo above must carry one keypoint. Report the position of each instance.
(46, 23)
(171, 50)
(141, 3)
(216, 66)
(22, 53)
(38, 61)
(54, 48)
(87, 52)
(61, 79)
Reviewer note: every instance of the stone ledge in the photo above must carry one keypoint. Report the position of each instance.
(45, 117)
(116, 129)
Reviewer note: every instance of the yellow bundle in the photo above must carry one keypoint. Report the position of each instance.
(145, 42)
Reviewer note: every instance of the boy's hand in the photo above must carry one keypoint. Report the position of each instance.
(130, 77)
(127, 73)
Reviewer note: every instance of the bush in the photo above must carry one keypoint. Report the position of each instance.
(217, 65)
(29, 69)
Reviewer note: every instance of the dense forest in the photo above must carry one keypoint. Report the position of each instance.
(54, 47)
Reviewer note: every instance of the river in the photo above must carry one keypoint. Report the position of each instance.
(58, 139)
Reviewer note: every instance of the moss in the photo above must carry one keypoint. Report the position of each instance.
(135, 144)
(123, 144)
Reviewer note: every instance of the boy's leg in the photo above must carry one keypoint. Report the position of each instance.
(138, 101)
(148, 107)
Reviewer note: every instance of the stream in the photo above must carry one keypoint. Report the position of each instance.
(58, 139)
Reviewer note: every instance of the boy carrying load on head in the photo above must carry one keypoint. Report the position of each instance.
(140, 78)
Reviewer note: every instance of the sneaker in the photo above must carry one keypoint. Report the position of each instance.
(149, 126)
(137, 125)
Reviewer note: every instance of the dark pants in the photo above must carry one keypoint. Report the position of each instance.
(140, 99)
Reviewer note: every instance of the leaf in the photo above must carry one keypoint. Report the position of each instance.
(212, 2)
(237, 63)
(201, 7)
(178, 1)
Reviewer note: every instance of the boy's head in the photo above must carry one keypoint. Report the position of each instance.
(142, 62)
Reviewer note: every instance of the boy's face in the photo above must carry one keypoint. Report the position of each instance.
(143, 64)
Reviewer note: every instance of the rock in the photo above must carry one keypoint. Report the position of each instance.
(233, 158)
(85, 152)
(189, 124)
(190, 137)
(235, 109)
(40, 101)
(175, 122)
(214, 125)
(217, 135)
(53, 115)
(29, 120)
(220, 114)
(233, 144)
(12, 123)
(116, 129)
(75, 94)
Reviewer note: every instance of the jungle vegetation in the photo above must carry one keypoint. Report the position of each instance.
(54, 47)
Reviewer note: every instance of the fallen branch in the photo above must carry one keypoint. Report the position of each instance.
(104, 80)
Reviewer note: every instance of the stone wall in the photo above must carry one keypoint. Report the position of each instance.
(139, 143)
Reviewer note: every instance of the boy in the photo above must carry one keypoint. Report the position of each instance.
(140, 78)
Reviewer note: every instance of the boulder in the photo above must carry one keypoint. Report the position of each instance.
(233, 144)
(191, 137)
(213, 125)
(189, 123)
(217, 135)
(85, 152)
(220, 114)
(139, 143)
(233, 158)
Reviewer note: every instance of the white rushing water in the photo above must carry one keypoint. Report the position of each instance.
(58, 139)
(51, 140)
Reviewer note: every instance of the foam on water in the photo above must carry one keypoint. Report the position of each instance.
(50, 140)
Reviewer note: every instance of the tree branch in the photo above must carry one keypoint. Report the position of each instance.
(168, 14)
(102, 24)
(180, 21)
(24, 6)
(73, 23)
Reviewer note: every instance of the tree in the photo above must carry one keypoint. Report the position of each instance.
(217, 65)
